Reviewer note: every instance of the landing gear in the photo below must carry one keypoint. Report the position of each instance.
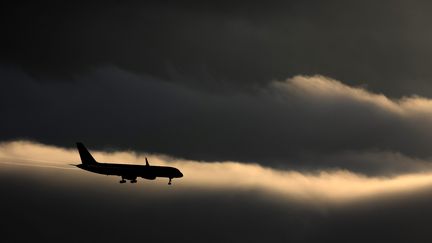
(123, 181)
(169, 182)
(133, 181)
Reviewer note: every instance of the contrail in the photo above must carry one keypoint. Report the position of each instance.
(34, 160)
(38, 163)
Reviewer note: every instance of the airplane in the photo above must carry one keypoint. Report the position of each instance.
(126, 171)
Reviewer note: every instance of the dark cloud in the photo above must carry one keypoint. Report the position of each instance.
(222, 45)
(196, 80)
(302, 123)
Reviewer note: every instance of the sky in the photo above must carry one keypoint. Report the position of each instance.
(300, 121)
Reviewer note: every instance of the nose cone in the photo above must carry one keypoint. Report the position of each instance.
(179, 174)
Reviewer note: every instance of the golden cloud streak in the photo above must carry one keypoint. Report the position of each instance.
(328, 89)
(322, 187)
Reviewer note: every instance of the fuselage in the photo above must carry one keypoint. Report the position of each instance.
(132, 171)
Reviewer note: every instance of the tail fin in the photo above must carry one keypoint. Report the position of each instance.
(85, 155)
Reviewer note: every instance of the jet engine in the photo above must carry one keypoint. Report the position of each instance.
(149, 177)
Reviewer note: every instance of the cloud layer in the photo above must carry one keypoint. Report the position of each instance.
(225, 45)
(319, 188)
(300, 123)
(213, 202)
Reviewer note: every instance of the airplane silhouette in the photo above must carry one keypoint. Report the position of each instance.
(127, 172)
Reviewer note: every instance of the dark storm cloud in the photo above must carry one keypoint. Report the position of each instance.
(302, 123)
(221, 45)
(194, 82)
